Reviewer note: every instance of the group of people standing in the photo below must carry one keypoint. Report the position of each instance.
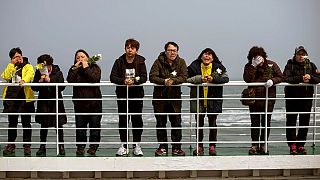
(168, 71)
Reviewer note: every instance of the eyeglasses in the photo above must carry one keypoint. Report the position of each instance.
(172, 50)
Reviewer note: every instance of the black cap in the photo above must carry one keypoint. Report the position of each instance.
(300, 48)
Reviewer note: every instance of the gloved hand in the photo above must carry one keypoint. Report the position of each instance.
(269, 83)
(256, 61)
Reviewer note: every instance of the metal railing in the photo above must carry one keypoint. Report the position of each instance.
(233, 122)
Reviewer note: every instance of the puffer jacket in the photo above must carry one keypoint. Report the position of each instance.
(91, 74)
(219, 75)
(269, 70)
(162, 70)
(49, 92)
(293, 73)
(117, 76)
(27, 76)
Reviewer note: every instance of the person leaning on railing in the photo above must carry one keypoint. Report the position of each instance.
(299, 69)
(168, 70)
(18, 71)
(207, 68)
(260, 69)
(83, 72)
(130, 69)
(49, 73)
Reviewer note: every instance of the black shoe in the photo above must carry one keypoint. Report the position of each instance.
(92, 150)
(9, 150)
(80, 151)
(62, 152)
(263, 150)
(26, 150)
(253, 150)
(42, 152)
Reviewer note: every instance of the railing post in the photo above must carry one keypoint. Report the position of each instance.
(314, 116)
(57, 119)
(266, 121)
(127, 115)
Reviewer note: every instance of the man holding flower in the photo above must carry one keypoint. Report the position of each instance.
(128, 71)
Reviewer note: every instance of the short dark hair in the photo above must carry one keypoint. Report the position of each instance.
(256, 51)
(210, 51)
(80, 50)
(133, 43)
(45, 58)
(13, 51)
(171, 43)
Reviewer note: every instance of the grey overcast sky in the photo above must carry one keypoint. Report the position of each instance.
(229, 27)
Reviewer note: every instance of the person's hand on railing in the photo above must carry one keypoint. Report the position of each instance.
(128, 82)
(269, 83)
(306, 78)
(168, 82)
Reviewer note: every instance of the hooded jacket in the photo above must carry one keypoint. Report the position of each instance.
(161, 70)
(27, 76)
(293, 73)
(219, 75)
(117, 76)
(49, 92)
(91, 74)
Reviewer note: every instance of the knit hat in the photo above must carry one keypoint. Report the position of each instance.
(300, 48)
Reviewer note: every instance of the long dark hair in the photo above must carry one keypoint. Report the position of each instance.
(256, 51)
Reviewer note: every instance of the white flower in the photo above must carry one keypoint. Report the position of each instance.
(174, 73)
(270, 65)
(138, 78)
(304, 57)
(219, 71)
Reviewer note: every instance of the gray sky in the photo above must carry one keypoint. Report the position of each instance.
(229, 27)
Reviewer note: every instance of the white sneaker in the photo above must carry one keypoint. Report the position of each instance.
(137, 151)
(122, 151)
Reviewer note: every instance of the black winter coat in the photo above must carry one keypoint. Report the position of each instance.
(91, 74)
(293, 73)
(49, 92)
(117, 76)
(214, 105)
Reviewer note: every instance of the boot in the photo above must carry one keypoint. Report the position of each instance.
(62, 152)
(92, 150)
(42, 151)
(26, 150)
(9, 150)
(80, 151)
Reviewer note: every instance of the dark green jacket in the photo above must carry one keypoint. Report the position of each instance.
(162, 70)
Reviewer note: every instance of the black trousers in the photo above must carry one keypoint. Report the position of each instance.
(175, 120)
(304, 120)
(44, 134)
(212, 119)
(134, 106)
(26, 124)
(258, 121)
(82, 121)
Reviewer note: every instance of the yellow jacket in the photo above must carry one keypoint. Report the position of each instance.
(27, 76)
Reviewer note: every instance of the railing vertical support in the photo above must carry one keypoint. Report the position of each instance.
(57, 119)
(266, 121)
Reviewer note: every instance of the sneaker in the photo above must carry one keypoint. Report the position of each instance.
(10, 149)
(253, 150)
(178, 152)
(212, 151)
(137, 150)
(80, 151)
(263, 150)
(293, 149)
(26, 150)
(302, 150)
(200, 151)
(41, 151)
(161, 152)
(122, 151)
(92, 150)
(62, 152)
